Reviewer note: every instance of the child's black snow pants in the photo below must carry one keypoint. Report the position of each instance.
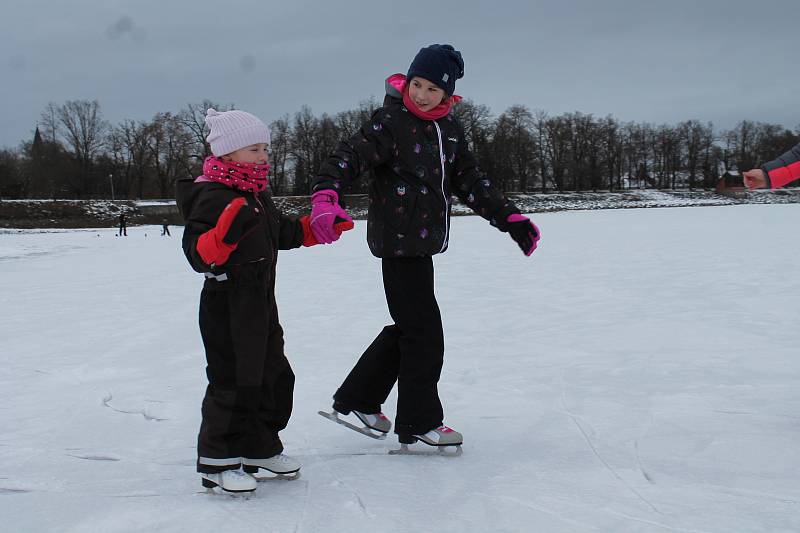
(410, 351)
(250, 383)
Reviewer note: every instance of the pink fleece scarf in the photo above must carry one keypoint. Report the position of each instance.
(243, 176)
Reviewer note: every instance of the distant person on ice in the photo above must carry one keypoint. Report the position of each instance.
(165, 228)
(777, 173)
(123, 224)
(232, 235)
(420, 158)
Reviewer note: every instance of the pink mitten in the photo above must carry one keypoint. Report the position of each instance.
(524, 232)
(325, 210)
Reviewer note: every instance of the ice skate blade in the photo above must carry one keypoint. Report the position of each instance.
(440, 451)
(291, 476)
(334, 417)
(269, 473)
(210, 487)
(219, 492)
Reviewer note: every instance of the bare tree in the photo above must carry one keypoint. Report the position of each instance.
(349, 122)
(587, 140)
(611, 151)
(12, 182)
(48, 123)
(558, 136)
(515, 145)
(130, 151)
(303, 148)
(280, 135)
(82, 127)
(740, 145)
(170, 148)
(696, 137)
(476, 120)
(539, 124)
(637, 142)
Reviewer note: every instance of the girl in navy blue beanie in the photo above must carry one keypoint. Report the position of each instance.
(419, 158)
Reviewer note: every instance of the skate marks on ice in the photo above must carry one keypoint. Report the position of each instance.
(11, 486)
(361, 505)
(642, 469)
(339, 483)
(576, 420)
(92, 456)
(146, 412)
(584, 526)
(4, 491)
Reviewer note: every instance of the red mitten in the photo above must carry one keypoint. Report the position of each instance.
(309, 239)
(216, 245)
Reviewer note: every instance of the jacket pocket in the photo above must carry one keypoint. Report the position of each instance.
(399, 211)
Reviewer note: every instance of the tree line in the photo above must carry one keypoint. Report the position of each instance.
(75, 153)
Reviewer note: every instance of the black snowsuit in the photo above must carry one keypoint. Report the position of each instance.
(250, 383)
(417, 165)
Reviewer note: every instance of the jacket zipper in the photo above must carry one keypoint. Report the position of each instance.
(444, 194)
(266, 215)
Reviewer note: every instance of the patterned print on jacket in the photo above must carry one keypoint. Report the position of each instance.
(417, 166)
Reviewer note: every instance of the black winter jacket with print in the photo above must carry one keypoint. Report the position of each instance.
(417, 166)
(201, 204)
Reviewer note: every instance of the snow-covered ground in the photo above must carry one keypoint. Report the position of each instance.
(639, 373)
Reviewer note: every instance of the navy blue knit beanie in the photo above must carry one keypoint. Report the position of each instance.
(440, 64)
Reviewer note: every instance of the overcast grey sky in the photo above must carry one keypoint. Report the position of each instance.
(639, 60)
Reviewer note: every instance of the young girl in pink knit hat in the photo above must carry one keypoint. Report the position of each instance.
(232, 235)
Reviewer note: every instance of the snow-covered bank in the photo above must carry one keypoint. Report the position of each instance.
(633, 375)
(105, 213)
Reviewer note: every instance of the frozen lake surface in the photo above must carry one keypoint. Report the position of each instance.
(639, 372)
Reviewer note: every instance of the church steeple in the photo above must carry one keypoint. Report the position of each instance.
(37, 148)
(37, 138)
